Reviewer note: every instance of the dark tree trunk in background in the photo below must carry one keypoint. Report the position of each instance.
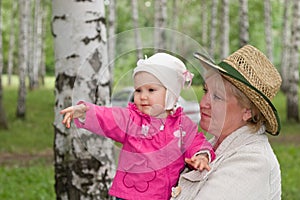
(3, 121)
(285, 53)
(135, 20)
(23, 56)
(292, 93)
(160, 23)
(225, 27)
(268, 28)
(244, 22)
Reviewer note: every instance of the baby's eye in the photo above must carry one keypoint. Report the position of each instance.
(151, 90)
(137, 90)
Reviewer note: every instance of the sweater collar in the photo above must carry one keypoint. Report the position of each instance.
(237, 138)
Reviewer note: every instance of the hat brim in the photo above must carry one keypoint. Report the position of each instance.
(262, 102)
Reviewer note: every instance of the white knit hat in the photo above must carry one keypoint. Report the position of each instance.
(170, 71)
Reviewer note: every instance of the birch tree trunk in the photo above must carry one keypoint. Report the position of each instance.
(204, 22)
(37, 45)
(111, 35)
(23, 56)
(160, 23)
(135, 20)
(285, 53)
(174, 25)
(12, 39)
(3, 121)
(84, 162)
(213, 29)
(31, 42)
(292, 93)
(268, 28)
(244, 23)
(225, 26)
(43, 47)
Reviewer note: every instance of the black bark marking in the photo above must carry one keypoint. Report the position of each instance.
(96, 61)
(100, 19)
(87, 40)
(62, 80)
(72, 56)
(63, 17)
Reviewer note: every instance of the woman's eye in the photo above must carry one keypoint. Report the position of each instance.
(205, 90)
(216, 97)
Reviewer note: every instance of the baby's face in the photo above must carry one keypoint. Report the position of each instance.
(150, 99)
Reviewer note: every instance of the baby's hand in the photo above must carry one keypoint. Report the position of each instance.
(77, 111)
(199, 162)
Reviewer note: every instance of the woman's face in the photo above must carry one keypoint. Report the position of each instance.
(221, 112)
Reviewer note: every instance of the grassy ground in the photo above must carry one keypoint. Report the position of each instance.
(26, 162)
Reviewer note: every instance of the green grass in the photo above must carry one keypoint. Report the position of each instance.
(35, 132)
(289, 159)
(35, 180)
(27, 182)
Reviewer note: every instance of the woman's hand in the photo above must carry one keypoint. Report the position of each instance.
(199, 162)
(71, 112)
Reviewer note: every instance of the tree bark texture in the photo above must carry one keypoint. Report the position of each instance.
(213, 29)
(292, 93)
(204, 22)
(160, 23)
(285, 53)
(3, 121)
(12, 39)
(135, 20)
(111, 35)
(23, 56)
(244, 23)
(84, 162)
(268, 28)
(225, 27)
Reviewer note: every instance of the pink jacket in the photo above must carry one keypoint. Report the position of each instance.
(153, 152)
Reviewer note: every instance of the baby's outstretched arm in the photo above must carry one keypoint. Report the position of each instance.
(199, 162)
(72, 112)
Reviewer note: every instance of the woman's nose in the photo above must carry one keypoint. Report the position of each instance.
(205, 101)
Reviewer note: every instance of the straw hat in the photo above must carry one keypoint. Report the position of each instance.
(249, 70)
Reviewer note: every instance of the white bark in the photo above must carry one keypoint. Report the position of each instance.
(111, 35)
(204, 23)
(84, 162)
(225, 27)
(3, 121)
(23, 56)
(213, 29)
(160, 23)
(285, 53)
(12, 39)
(268, 29)
(293, 72)
(244, 23)
(135, 20)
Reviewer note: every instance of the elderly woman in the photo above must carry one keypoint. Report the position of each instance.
(236, 109)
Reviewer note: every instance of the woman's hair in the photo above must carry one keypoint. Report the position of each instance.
(257, 119)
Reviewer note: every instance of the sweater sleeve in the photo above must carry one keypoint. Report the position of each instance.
(105, 121)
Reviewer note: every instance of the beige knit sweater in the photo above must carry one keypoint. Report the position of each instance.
(245, 168)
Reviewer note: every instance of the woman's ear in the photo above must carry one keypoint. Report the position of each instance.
(247, 114)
